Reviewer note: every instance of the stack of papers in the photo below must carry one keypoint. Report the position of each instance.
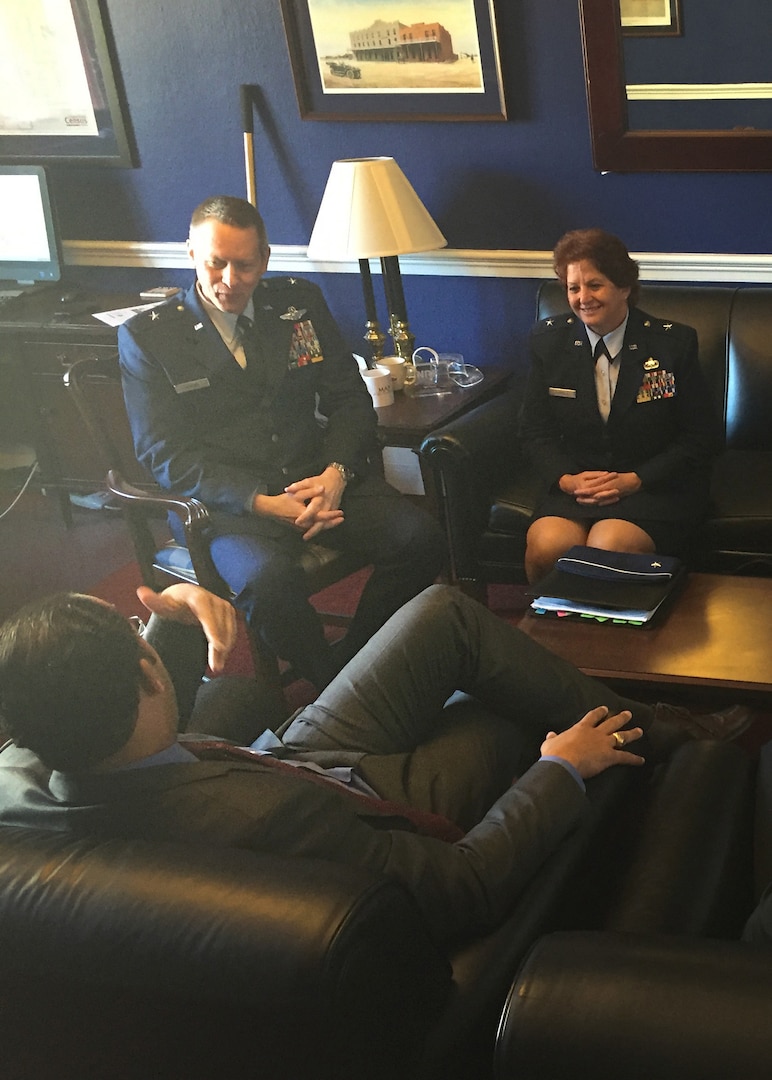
(562, 594)
(543, 605)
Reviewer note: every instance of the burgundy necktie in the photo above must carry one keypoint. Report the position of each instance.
(424, 822)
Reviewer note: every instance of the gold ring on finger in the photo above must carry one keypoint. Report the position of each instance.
(620, 742)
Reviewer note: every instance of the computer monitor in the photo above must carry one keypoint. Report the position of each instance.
(29, 242)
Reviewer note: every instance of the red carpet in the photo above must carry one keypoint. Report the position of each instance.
(120, 587)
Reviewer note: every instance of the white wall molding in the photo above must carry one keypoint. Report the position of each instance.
(453, 262)
(698, 91)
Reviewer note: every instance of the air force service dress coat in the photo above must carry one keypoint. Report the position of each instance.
(662, 423)
(207, 428)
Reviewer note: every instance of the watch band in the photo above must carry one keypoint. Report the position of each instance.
(347, 474)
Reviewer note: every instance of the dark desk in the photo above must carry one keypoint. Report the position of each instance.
(40, 337)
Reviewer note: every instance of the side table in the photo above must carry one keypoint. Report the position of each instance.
(405, 424)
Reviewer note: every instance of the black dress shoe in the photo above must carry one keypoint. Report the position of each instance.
(724, 725)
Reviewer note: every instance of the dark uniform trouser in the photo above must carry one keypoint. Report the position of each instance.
(404, 544)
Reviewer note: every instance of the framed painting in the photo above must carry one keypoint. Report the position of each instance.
(653, 18)
(59, 94)
(395, 59)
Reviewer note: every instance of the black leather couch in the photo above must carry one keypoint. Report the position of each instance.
(626, 1005)
(128, 959)
(486, 493)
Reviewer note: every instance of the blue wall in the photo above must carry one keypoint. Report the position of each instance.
(518, 184)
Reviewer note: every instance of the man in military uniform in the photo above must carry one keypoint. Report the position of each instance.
(245, 396)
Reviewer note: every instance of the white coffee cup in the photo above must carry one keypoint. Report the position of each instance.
(378, 382)
(396, 365)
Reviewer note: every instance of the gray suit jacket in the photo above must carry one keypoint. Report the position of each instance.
(461, 887)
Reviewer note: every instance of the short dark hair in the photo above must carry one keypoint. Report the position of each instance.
(603, 250)
(231, 211)
(69, 680)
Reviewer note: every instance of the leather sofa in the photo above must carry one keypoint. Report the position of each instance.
(631, 1005)
(486, 494)
(129, 959)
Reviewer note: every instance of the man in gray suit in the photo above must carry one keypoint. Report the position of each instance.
(92, 716)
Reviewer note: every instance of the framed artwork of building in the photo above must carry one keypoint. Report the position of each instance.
(652, 18)
(395, 59)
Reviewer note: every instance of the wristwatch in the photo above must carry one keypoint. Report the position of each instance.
(347, 474)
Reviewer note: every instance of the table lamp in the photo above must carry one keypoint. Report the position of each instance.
(370, 210)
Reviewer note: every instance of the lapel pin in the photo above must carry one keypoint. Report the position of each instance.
(292, 314)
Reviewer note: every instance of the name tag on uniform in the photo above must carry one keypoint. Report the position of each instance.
(561, 391)
(194, 384)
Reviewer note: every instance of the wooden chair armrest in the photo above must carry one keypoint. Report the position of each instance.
(193, 516)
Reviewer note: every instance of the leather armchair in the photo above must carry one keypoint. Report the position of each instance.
(666, 990)
(486, 494)
(634, 1007)
(127, 958)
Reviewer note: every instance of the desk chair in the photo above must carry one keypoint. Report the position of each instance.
(95, 388)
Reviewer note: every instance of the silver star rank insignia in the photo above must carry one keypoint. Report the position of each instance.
(293, 314)
(667, 326)
(154, 315)
(550, 322)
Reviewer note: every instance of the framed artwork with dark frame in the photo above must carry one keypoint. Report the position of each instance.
(392, 60)
(60, 98)
(651, 18)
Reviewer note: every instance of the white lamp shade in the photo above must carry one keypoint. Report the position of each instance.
(370, 210)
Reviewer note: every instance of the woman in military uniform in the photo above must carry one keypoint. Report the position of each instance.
(617, 418)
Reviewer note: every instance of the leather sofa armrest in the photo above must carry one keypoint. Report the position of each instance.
(468, 458)
(691, 870)
(286, 967)
(608, 1005)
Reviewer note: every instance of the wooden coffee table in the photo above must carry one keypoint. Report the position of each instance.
(715, 641)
